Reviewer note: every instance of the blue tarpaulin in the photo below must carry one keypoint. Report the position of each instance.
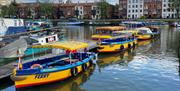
(14, 30)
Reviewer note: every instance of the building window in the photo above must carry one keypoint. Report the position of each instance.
(136, 10)
(136, 6)
(140, 6)
(132, 6)
(129, 11)
(140, 10)
(129, 6)
(133, 11)
(164, 5)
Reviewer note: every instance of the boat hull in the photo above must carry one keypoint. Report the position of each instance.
(143, 37)
(45, 78)
(97, 37)
(116, 47)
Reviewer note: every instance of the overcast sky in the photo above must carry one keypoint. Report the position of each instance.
(110, 1)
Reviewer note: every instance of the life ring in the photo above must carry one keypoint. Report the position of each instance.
(36, 65)
(74, 71)
(84, 67)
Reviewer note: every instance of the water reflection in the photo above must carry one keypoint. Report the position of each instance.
(151, 66)
(122, 58)
(79, 33)
(71, 84)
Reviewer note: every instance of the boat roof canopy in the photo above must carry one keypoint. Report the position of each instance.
(68, 45)
(111, 28)
(126, 31)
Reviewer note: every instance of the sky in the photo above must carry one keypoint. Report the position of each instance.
(110, 1)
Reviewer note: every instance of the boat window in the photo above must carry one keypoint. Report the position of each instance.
(154, 30)
(103, 32)
(54, 38)
(142, 31)
(46, 40)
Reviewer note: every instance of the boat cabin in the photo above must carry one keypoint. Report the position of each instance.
(106, 32)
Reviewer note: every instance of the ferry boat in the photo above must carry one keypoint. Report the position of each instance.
(143, 33)
(56, 68)
(174, 24)
(118, 43)
(155, 30)
(105, 32)
(10, 50)
(37, 25)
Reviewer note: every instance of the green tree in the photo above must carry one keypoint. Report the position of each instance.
(103, 5)
(9, 11)
(3, 11)
(46, 10)
(176, 6)
(12, 9)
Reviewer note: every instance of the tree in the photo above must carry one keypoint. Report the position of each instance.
(3, 11)
(176, 6)
(12, 9)
(46, 10)
(9, 11)
(103, 5)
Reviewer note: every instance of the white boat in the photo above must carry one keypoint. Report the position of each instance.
(44, 39)
(177, 24)
(71, 21)
(11, 26)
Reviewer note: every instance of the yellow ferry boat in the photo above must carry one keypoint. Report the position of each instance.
(143, 33)
(117, 43)
(55, 68)
(106, 32)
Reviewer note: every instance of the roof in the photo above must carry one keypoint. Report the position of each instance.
(111, 28)
(144, 29)
(153, 27)
(68, 45)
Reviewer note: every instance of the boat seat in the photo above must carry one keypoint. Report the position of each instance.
(72, 60)
(50, 63)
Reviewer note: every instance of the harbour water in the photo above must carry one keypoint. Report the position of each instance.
(152, 66)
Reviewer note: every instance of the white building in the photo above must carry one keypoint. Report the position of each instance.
(167, 12)
(80, 12)
(95, 9)
(135, 8)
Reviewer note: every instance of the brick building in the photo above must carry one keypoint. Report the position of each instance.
(28, 10)
(122, 9)
(63, 10)
(78, 10)
(153, 8)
